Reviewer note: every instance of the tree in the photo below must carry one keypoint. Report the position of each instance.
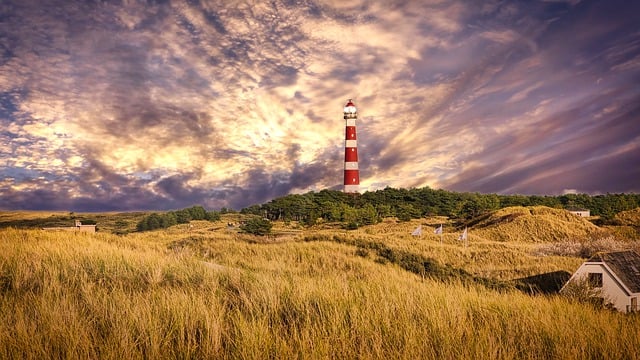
(383, 210)
(406, 212)
(213, 216)
(478, 204)
(368, 215)
(257, 226)
(183, 216)
(197, 212)
(168, 219)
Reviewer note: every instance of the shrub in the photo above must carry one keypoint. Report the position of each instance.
(351, 226)
(257, 226)
(213, 216)
(580, 291)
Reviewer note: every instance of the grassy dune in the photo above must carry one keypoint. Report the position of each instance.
(534, 224)
(119, 223)
(209, 292)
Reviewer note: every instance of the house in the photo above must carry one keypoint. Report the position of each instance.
(79, 227)
(580, 212)
(617, 277)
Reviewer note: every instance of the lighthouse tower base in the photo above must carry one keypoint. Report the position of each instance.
(351, 188)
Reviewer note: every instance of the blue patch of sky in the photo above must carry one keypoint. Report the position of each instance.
(187, 25)
(238, 50)
(5, 54)
(7, 106)
(20, 173)
(214, 20)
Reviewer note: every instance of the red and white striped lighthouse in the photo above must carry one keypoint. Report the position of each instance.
(351, 172)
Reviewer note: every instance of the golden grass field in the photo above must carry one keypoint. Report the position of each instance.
(208, 291)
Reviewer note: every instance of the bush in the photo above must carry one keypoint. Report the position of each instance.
(351, 226)
(580, 291)
(213, 216)
(257, 226)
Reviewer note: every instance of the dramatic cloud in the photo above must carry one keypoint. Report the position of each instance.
(166, 104)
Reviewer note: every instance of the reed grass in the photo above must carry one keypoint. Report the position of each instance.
(196, 293)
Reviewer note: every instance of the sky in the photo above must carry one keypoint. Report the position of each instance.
(157, 105)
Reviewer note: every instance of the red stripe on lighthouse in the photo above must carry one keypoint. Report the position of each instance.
(350, 133)
(350, 154)
(352, 177)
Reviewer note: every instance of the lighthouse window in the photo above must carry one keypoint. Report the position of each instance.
(352, 149)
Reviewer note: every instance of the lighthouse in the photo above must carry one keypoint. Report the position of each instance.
(351, 172)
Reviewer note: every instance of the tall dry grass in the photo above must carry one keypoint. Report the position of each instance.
(203, 294)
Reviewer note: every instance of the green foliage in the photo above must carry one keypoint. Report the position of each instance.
(478, 204)
(407, 204)
(165, 220)
(351, 226)
(580, 291)
(213, 216)
(406, 212)
(156, 221)
(257, 226)
(197, 212)
(183, 216)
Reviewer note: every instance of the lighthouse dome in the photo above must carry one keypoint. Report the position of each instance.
(349, 108)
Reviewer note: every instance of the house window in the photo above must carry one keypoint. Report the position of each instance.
(595, 280)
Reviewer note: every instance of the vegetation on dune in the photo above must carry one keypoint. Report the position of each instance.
(407, 204)
(114, 222)
(339, 276)
(587, 247)
(256, 226)
(218, 295)
(170, 218)
(533, 224)
(629, 217)
(626, 224)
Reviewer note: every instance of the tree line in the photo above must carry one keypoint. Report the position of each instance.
(406, 204)
(170, 218)
(354, 210)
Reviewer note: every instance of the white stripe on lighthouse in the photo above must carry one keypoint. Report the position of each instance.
(351, 165)
(351, 122)
(351, 143)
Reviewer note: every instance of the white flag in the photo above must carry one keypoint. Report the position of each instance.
(417, 231)
(463, 236)
(438, 230)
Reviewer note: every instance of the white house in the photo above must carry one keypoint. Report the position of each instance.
(616, 275)
(580, 212)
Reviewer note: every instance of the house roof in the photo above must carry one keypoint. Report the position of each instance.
(625, 264)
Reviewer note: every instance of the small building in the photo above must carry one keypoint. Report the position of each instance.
(580, 212)
(78, 227)
(616, 276)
